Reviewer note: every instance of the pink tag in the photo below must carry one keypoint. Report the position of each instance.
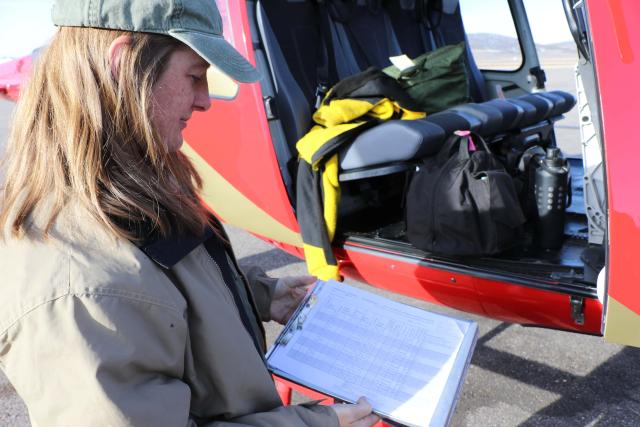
(470, 143)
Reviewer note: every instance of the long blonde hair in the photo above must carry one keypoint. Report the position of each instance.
(78, 133)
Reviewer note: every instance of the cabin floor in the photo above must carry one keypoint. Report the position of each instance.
(378, 226)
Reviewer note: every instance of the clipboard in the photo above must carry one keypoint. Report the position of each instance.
(345, 342)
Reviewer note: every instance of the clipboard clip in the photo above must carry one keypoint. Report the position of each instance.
(296, 322)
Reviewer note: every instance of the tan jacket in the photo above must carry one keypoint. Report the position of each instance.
(93, 333)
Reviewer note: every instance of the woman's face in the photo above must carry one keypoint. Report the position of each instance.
(180, 90)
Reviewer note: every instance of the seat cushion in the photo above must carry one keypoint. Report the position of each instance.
(557, 102)
(529, 112)
(490, 117)
(451, 121)
(570, 100)
(392, 141)
(405, 140)
(544, 106)
(512, 114)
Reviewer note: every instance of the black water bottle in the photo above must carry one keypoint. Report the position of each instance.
(551, 191)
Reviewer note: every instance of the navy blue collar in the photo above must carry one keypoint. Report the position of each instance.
(168, 251)
(165, 251)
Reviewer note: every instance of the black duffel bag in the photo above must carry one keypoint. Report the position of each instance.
(463, 202)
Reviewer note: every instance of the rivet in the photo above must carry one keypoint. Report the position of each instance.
(453, 280)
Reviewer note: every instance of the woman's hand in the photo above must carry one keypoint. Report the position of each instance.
(287, 296)
(357, 415)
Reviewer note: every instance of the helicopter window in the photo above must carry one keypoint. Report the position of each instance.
(492, 34)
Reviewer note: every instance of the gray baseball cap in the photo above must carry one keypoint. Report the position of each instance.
(196, 23)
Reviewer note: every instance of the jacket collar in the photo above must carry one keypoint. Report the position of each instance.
(168, 251)
(165, 251)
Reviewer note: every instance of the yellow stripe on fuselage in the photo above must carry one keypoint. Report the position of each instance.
(622, 324)
(235, 208)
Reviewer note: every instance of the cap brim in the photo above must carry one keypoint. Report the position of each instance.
(217, 51)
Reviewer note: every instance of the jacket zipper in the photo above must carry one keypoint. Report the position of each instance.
(233, 300)
(226, 285)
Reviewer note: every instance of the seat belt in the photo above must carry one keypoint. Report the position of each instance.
(374, 7)
(340, 62)
(424, 9)
(326, 73)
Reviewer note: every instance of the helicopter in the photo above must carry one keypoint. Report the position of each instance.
(244, 149)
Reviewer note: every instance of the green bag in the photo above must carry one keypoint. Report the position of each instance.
(438, 80)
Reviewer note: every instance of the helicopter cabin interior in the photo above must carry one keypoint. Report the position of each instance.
(297, 41)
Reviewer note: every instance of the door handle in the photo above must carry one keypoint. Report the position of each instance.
(570, 14)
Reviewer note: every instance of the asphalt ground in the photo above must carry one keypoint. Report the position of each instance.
(518, 376)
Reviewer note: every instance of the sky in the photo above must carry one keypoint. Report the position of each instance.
(26, 24)
(546, 19)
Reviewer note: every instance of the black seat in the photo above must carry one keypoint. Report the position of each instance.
(397, 141)
(530, 114)
(391, 142)
(363, 31)
(294, 97)
(512, 114)
(451, 121)
(559, 103)
(424, 25)
(491, 119)
(502, 115)
(412, 30)
(548, 104)
(295, 47)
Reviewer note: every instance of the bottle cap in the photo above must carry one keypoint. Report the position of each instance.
(553, 157)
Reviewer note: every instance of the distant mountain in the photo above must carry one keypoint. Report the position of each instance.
(509, 45)
(493, 42)
(568, 48)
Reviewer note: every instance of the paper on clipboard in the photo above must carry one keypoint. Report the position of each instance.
(348, 343)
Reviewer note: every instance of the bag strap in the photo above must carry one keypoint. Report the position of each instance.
(473, 140)
(461, 140)
(466, 146)
(453, 143)
(424, 9)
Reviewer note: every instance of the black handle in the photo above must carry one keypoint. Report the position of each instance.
(573, 27)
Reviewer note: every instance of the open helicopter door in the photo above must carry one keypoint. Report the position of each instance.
(606, 39)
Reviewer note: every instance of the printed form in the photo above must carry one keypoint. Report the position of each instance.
(348, 343)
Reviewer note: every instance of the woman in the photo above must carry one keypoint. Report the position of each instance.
(122, 301)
